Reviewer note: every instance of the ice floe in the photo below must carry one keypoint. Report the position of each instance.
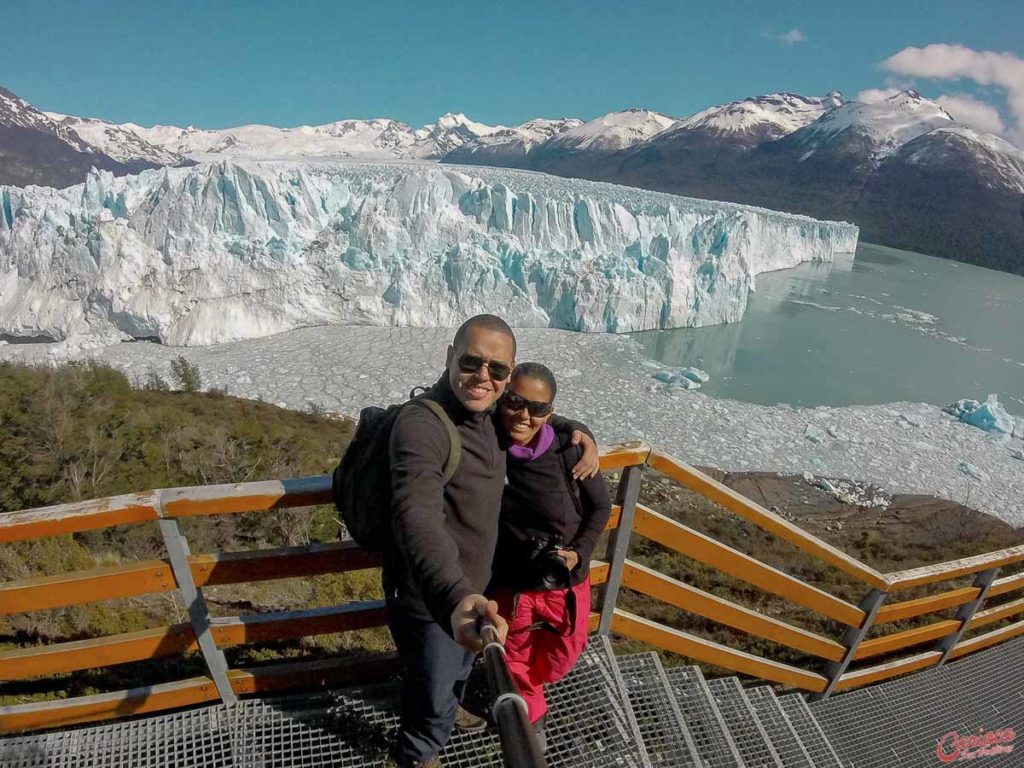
(606, 381)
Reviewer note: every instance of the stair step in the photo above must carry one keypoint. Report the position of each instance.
(806, 726)
(715, 744)
(776, 724)
(666, 738)
(590, 721)
(745, 726)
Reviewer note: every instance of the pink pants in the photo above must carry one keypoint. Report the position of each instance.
(540, 656)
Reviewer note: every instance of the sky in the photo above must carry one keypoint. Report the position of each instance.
(222, 64)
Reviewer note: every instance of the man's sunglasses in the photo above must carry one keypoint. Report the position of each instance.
(471, 364)
(514, 403)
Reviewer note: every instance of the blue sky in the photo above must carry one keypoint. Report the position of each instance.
(219, 64)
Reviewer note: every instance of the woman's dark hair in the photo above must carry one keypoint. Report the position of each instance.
(537, 371)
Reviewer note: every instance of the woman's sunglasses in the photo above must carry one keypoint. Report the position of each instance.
(471, 364)
(514, 403)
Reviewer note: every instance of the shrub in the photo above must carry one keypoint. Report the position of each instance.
(186, 375)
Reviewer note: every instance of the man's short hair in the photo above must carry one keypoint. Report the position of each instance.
(488, 323)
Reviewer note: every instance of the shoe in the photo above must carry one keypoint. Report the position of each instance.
(467, 722)
(538, 728)
(434, 762)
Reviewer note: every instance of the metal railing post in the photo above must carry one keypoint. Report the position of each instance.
(966, 612)
(626, 497)
(851, 639)
(198, 611)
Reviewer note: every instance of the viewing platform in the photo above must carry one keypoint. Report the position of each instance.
(830, 687)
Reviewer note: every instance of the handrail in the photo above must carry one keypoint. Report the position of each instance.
(767, 521)
(519, 744)
(951, 569)
(711, 652)
(673, 592)
(921, 606)
(696, 545)
(628, 517)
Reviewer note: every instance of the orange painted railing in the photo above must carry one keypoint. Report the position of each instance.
(837, 656)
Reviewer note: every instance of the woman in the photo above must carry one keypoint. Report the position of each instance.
(548, 528)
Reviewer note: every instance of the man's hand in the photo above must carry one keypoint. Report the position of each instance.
(571, 558)
(468, 617)
(589, 463)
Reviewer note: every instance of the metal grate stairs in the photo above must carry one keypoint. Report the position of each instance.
(611, 712)
(614, 712)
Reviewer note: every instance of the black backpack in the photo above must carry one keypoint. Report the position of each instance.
(361, 484)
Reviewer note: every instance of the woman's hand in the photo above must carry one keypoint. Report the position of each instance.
(590, 462)
(571, 558)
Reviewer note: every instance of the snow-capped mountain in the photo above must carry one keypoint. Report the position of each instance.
(884, 126)
(901, 168)
(36, 149)
(749, 122)
(821, 156)
(121, 142)
(577, 150)
(508, 146)
(612, 132)
(357, 139)
(240, 249)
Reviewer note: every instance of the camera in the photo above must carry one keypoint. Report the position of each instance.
(545, 568)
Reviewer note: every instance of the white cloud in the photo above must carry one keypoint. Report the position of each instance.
(970, 111)
(952, 62)
(792, 37)
(871, 95)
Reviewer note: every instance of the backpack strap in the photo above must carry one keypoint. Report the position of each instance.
(454, 441)
(570, 455)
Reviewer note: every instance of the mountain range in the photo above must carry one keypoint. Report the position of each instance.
(902, 168)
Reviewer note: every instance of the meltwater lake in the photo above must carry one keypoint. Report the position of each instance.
(885, 326)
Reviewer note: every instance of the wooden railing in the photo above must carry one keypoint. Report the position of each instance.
(189, 574)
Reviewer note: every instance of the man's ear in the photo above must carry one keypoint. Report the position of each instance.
(449, 357)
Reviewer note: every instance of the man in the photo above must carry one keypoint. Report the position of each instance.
(444, 535)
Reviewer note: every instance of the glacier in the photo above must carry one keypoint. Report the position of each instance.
(236, 250)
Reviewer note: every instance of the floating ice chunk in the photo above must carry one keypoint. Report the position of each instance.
(990, 415)
(972, 471)
(826, 486)
(687, 378)
(697, 375)
(814, 434)
(808, 478)
(911, 420)
(1018, 454)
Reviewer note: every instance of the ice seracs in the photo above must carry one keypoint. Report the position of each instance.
(236, 250)
(989, 416)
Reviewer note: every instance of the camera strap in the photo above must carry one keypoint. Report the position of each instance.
(570, 608)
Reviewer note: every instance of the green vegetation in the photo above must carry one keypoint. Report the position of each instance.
(81, 431)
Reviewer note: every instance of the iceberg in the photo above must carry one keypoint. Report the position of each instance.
(989, 416)
(244, 249)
